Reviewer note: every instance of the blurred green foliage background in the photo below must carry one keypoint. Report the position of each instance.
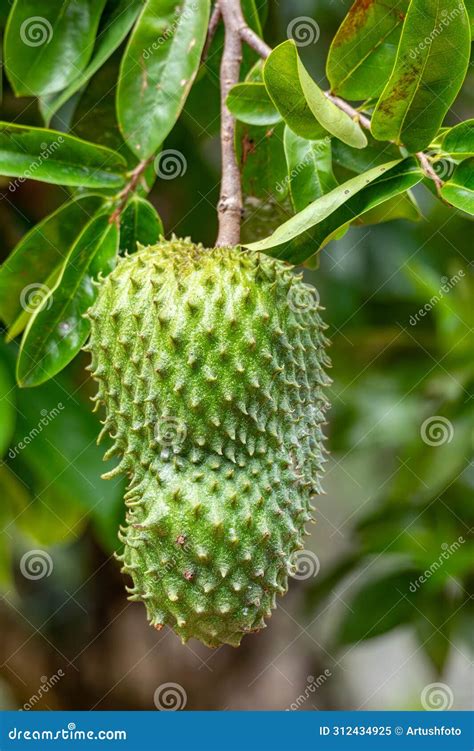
(395, 502)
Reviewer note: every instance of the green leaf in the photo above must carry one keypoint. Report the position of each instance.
(57, 454)
(363, 51)
(115, 28)
(361, 160)
(40, 252)
(300, 101)
(48, 44)
(58, 329)
(310, 173)
(459, 189)
(54, 157)
(158, 69)
(403, 206)
(379, 605)
(261, 157)
(7, 407)
(250, 103)
(459, 141)
(304, 234)
(139, 223)
(431, 64)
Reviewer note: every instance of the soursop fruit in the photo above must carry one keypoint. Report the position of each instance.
(210, 364)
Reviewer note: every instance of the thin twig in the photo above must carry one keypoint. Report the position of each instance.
(230, 202)
(257, 44)
(135, 176)
(214, 22)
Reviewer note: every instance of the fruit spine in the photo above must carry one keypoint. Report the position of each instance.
(210, 367)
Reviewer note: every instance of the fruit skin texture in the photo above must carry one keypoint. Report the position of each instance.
(210, 366)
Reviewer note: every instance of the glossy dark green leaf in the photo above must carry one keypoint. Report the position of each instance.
(40, 252)
(7, 407)
(431, 64)
(158, 69)
(250, 103)
(459, 189)
(310, 173)
(58, 329)
(49, 43)
(54, 157)
(459, 141)
(363, 51)
(139, 223)
(379, 605)
(361, 160)
(308, 231)
(302, 104)
(112, 31)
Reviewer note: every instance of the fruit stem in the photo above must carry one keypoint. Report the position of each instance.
(230, 204)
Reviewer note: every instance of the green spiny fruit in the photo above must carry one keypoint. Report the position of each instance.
(210, 367)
